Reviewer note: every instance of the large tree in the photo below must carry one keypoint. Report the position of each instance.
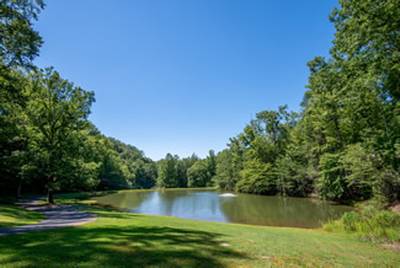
(352, 108)
(345, 143)
(19, 44)
(57, 111)
(167, 173)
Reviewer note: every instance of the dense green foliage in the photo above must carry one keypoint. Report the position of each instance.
(345, 143)
(191, 171)
(19, 43)
(46, 140)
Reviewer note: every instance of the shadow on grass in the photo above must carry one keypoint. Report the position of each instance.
(16, 212)
(116, 246)
(19, 214)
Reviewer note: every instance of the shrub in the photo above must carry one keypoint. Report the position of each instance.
(370, 224)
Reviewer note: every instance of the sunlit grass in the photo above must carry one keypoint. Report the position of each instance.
(11, 215)
(122, 239)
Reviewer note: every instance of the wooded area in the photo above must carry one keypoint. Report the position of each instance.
(344, 144)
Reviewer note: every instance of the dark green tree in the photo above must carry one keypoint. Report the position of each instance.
(19, 44)
(56, 111)
(167, 176)
(198, 174)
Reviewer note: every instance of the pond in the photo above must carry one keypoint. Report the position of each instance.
(236, 208)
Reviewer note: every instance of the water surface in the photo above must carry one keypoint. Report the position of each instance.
(242, 208)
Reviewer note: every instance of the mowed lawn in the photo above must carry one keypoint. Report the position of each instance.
(134, 240)
(12, 215)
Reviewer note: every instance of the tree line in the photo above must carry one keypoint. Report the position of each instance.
(192, 171)
(344, 144)
(47, 142)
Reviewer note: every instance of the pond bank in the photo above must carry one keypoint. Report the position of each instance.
(126, 239)
(211, 205)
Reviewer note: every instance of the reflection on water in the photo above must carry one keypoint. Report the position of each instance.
(243, 208)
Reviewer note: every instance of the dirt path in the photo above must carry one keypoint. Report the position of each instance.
(56, 216)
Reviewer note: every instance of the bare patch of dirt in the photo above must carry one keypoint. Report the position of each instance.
(392, 246)
(266, 257)
(395, 207)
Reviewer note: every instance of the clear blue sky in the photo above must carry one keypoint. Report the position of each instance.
(183, 76)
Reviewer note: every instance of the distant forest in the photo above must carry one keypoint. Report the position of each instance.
(343, 145)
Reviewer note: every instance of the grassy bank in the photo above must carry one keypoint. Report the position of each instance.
(133, 240)
(369, 222)
(12, 215)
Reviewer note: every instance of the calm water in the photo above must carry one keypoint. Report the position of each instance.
(243, 208)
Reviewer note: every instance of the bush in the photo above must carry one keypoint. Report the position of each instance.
(370, 224)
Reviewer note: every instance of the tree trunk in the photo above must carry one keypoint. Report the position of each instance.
(50, 188)
(50, 197)
(19, 188)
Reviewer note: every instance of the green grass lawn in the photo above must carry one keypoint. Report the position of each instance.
(12, 215)
(134, 240)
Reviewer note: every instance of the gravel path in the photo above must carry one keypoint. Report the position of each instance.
(56, 216)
